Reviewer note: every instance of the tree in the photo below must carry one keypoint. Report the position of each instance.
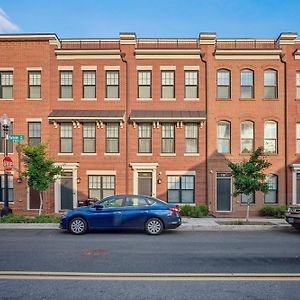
(249, 177)
(41, 170)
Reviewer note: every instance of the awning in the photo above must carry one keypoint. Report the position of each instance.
(65, 115)
(167, 115)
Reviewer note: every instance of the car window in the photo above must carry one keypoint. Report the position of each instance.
(114, 202)
(135, 201)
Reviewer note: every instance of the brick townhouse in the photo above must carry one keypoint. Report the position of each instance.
(160, 117)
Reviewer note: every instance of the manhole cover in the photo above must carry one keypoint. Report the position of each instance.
(94, 252)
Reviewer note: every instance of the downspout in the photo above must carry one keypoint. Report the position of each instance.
(122, 54)
(285, 128)
(206, 127)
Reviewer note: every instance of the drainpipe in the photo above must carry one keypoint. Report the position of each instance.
(122, 54)
(285, 128)
(206, 127)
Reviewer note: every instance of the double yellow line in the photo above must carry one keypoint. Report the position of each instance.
(36, 275)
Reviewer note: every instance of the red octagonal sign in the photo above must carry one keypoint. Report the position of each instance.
(7, 163)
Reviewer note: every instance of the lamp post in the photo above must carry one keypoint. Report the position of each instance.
(5, 122)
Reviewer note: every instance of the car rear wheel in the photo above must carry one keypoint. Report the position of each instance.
(78, 226)
(154, 226)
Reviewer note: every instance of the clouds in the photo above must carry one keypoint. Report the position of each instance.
(6, 26)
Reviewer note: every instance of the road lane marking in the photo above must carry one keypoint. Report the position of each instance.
(40, 275)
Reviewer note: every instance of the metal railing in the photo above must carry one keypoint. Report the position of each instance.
(167, 44)
(251, 44)
(90, 44)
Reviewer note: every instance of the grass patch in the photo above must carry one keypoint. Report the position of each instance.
(26, 219)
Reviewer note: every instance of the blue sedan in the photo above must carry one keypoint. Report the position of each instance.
(123, 211)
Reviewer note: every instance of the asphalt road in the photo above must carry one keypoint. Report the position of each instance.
(49, 264)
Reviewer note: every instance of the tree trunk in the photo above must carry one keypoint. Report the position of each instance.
(248, 209)
(41, 203)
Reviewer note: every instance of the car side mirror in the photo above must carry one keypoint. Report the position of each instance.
(98, 206)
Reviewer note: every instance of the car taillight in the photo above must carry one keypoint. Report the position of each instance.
(174, 210)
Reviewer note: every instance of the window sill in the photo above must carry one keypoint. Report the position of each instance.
(65, 99)
(88, 99)
(144, 154)
(297, 99)
(34, 99)
(147, 99)
(112, 154)
(88, 154)
(167, 99)
(111, 99)
(167, 154)
(191, 99)
(247, 99)
(62, 153)
(271, 154)
(270, 99)
(191, 154)
(4, 99)
(223, 99)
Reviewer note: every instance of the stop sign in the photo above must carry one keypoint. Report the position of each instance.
(7, 163)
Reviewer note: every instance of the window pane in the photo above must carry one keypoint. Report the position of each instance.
(112, 130)
(270, 130)
(112, 78)
(173, 182)
(167, 77)
(168, 146)
(145, 130)
(246, 145)
(174, 196)
(34, 92)
(191, 78)
(270, 78)
(108, 182)
(167, 130)
(223, 146)
(223, 92)
(187, 182)
(89, 130)
(144, 145)
(66, 145)
(223, 130)
(270, 146)
(144, 77)
(298, 79)
(66, 92)
(247, 130)
(112, 92)
(66, 78)
(298, 92)
(35, 78)
(89, 92)
(7, 92)
(246, 92)
(247, 198)
(191, 146)
(168, 92)
(247, 78)
(270, 92)
(223, 77)
(191, 130)
(89, 78)
(66, 130)
(187, 197)
(112, 146)
(191, 92)
(144, 92)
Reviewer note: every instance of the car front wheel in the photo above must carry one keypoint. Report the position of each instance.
(78, 226)
(154, 226)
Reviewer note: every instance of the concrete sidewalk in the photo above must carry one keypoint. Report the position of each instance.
(188, 224)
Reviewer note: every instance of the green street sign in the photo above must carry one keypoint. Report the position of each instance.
(16, 137)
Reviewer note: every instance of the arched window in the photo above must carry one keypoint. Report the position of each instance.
(247, 84)
(247, 137)
(223, 84)
(270, 84)
(223, 136)
(272, 195)
(270, 137)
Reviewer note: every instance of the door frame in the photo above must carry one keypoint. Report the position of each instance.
(144, 167)
(67, 167)
(295, 170)
(216, 193)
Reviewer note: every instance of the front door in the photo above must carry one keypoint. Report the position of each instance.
(66, 191)
(145, 183)
(223, 192)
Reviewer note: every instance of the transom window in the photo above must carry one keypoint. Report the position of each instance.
(270, 137)
(34, 133)
(66, 137)
(168, 84)
(191, 84)
(271, 196)
(247, 137)
(168, 138)
(112, 138)
(223, 84)
(66, 84)
(144, 84)
(112, 84)
(247, 90)
(89, 84)
(223, 135)
(191, 138)
(101, 186)
(89, 138)
(145, 138)
(6, 85)
(181, 189)
(34, 80)
(270, 84)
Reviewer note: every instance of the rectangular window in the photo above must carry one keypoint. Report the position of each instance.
(6, 85)
(270, 84)
(247, 137)
(223, 137)
(34, 84)
(66, 135)
(191, 84)
(245, 199)
(191, 138)
(223, 84)
(112, 84)
(66, 84)
(10, 188)
(34, 133)
(168, 138)
(145, 138)
(298, 138)
(2, 139)
(89, 137)
(112, 138)
(181, 189)
(167, 84)
(144, 84)
(270, 137)
(247, 90)
(271, 196)
(101, 186)
(89, 84)
(298, 85)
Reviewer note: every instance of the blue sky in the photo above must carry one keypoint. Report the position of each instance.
(151, 18)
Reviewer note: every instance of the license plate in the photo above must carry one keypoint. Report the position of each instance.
(291, 220)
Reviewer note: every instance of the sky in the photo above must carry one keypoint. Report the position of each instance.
(151, 18)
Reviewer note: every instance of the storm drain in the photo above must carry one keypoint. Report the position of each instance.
(94, 252)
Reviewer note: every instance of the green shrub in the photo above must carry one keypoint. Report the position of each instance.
(273, 211)
(25, 219)
(198, 211)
